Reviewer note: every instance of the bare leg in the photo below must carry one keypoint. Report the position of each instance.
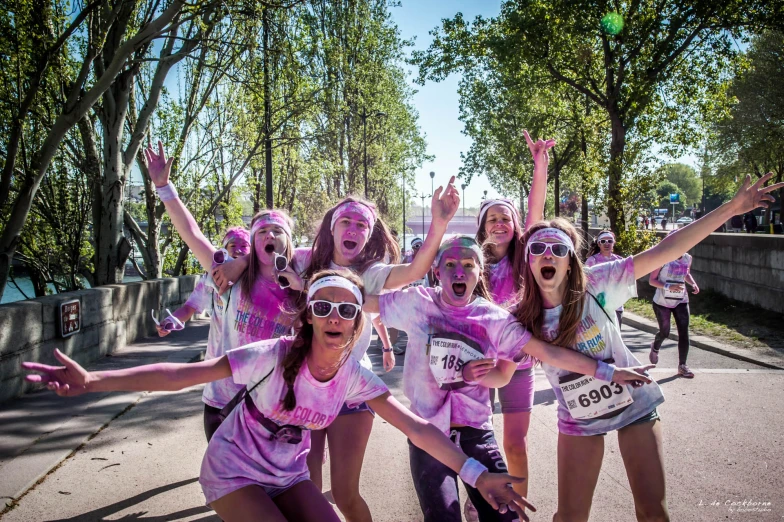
(348, 438)
(579, 464)
(305, 502)
(316, 457)
(246, 504)
(516, 447)
(643, 456)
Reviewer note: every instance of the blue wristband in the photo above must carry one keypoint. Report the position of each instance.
(604, 371)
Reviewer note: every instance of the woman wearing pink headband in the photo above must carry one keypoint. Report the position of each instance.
(571, 306)
(499, 234)
(254, 309)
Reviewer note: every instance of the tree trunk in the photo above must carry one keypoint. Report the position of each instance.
(180, 268)
(267, 110)
(615, 173)
(556, 184)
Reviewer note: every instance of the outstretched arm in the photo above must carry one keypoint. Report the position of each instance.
(538, 194)
(158, 167)
(71, 379)
(494, 487)
(443, 207)
(678, 243)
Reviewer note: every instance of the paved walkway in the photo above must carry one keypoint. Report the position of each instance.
(723, 444)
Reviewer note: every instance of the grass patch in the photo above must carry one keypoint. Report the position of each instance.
(722, 318)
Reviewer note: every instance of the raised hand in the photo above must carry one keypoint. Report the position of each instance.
(496, 488)
(539, 149)
(67, 380)
(753, 196)
(157, 165)
(445, 203)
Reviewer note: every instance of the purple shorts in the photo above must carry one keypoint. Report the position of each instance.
(345, 410)
(518, 395)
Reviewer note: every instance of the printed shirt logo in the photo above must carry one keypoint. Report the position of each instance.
(590, 337)
(260, 323)
(303, 417)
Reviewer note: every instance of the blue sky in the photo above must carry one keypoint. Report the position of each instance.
(438, 103)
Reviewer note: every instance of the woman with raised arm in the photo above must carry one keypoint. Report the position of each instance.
(257, 307)
(255, 464)
(459, 346)
(571, 306)
(352, 235)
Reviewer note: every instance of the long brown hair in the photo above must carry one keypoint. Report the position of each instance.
(381, 246)
(530, 311)
(303, 340)
(253, 272)
(511, 252)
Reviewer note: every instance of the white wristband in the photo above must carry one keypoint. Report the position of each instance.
(471, 470)
(167, 192)
(604, 371)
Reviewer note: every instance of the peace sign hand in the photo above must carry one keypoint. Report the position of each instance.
(539, 149)
(158, 166)
(753, 196)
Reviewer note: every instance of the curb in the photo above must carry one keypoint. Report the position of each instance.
(29, 468)
(707, 344)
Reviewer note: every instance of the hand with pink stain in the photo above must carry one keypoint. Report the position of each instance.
(539, 149)
(158, 167)
(68, 380)
(538, 194)
(295, 281)
(474, 371)
(226, 274)
(445, 204)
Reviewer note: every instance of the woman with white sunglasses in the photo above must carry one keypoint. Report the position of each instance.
(255, 465)
(601, 251)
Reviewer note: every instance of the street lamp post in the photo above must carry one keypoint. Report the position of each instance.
(404, 212)
(432, 177)
(423, 214)
(464, 187)
(485, 196)
(364, 116)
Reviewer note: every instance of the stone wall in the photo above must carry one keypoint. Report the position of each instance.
(745, 267)
(112, 316)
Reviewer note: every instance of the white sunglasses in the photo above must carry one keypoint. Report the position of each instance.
(347, 311)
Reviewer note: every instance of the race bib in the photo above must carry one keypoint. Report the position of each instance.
(590, 398)
(448, 353)
(670, 293)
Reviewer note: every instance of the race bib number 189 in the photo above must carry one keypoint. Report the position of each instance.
(448, 354)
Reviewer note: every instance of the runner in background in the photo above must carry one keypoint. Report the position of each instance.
(601, 251)
(672, 299)
(255, 465)
(499, 234)
(570, 305)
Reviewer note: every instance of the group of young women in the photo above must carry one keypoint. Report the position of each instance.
(287, 368)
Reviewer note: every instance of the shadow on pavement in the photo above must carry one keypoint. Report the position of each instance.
(113, 509)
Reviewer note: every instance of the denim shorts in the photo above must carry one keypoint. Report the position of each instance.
(648, 417)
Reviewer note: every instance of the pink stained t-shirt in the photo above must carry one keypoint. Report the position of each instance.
(205, 298)
(673, 272)
(481, 330)
(501, 283)
(240, 453)
(598, 259)
(248, 319)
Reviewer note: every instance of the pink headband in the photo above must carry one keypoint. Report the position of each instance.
(493, 202)
(236, 234)
(273, 218)
(550, 233)
(367, 213)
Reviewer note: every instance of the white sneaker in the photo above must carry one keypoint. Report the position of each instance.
(469, 511)
(654, 355)
(684, 371)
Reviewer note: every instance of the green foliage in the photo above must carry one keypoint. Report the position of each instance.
(633, 241)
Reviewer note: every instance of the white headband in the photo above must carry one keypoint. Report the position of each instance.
(493, 202)
(334, 282)
(550, 233)
(605, 233)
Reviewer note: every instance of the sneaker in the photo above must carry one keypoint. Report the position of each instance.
(654, 355)
(469, 511)
(684, 371)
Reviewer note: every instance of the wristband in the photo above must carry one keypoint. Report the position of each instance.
(604, 371)
(167, 192)
(386, 350)
(471, 470)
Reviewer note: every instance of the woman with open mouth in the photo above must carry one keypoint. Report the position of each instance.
(499, 234)
(254, 309)
(352, 235)
(255, 465)
(460, 345)
(571, 306)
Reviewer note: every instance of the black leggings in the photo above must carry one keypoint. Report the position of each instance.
(436, 484)
(211, 420)
(681, 314)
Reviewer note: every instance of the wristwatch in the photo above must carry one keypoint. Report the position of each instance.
(386, 350)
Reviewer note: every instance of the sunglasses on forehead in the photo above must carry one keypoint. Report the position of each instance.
(538, 248)
(606, 241)
(347, 311)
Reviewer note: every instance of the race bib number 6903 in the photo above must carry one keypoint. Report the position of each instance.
(589, 398)
(448, 354)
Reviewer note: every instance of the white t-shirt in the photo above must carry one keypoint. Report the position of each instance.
(598, 337)
(441, 338)
(204, 297)
(598, 259)
(248, 319)
(240, 453)
(673, 272)
(373, 279)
